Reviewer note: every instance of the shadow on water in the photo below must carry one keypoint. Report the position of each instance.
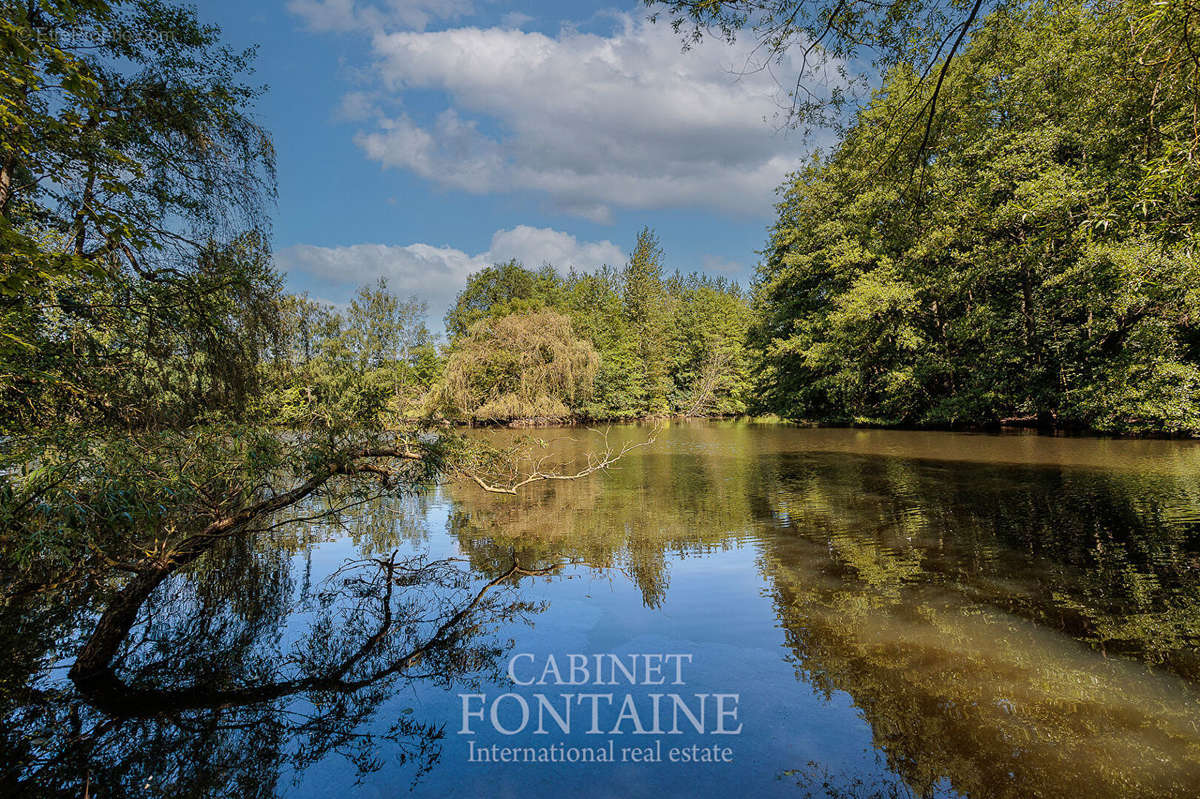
(1011, 616)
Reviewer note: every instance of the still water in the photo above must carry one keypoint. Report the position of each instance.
(832, 613)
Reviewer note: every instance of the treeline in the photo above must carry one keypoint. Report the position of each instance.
(528, 345)
(1027, 252)
(1024, 250)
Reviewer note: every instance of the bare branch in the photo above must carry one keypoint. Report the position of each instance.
(595, 464)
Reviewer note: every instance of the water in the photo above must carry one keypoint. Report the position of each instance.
(893, 614)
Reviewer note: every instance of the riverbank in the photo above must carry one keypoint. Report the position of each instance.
(1013, 425)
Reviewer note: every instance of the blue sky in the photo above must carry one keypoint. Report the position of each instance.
(423, 139)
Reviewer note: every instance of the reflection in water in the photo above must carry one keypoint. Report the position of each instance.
(1011, 615)
(1011, 629)
(211, 694)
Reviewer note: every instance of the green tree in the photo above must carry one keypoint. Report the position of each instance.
(376, 361)
(664, 346)
(711, 359)
(520, 366)
(1037, 269)
(132, 187)
(598, 312)
(647, 309)
(502, 289)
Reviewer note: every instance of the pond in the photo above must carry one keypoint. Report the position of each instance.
(761, 610)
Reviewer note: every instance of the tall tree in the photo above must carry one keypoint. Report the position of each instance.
(502, 289)
(648, 312)
(1050, 272)
(133, 184)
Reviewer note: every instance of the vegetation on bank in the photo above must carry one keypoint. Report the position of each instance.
(1022, 248)
(159, 394)
(1032, 254)
(537, 345)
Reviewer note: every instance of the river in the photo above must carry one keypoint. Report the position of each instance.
(736, 609)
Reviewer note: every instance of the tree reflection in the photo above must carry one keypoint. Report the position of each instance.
(212, 693)
(967, 610)
(999, 625)
(635, 518)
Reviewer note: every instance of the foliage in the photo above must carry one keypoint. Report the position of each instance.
(371, 366)
(664, 345)
(646, 311)
(148, 360)
(529, 365)
(711, 360)
(1037, 267)
(502, 289)
(132, 232)
(833, 52)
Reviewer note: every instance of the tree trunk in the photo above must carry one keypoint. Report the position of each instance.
(6, 173)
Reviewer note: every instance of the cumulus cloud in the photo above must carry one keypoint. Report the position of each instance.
(536, 246)
(436, 274)
(349, 15)
(593, 122)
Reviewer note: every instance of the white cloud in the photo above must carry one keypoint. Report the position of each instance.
(534, 246)
(349, 15)
(592, 122)
(436, 274)
(715, 264)
(356, 107)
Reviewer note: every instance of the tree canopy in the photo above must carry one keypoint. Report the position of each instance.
(1043, 265)
(660, 344)
(133, 226)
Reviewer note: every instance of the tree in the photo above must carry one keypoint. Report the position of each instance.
(597, 311)
(1049, 274)
(132, 190)
(653, 338)
(520, 366)
(827, 44)
(648, 313)
(374, 362)
(502, 289)
(838, 49)
(711, 365)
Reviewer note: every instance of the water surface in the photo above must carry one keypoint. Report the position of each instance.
(897, 613)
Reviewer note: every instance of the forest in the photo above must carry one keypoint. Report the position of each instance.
(1026, 257)
(1029, 255)
(530, 346)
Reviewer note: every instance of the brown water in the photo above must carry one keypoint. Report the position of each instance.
(900, 613)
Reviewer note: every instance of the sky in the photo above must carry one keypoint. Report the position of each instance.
(421, 140)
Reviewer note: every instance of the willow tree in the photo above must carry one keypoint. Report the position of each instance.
(520, 366)
(133, 191)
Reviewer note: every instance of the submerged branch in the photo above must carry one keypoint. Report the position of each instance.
(594, 464)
